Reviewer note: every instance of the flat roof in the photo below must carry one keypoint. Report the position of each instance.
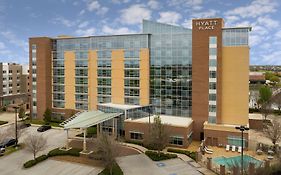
(119, 106)
(166, 119)
(256, 116)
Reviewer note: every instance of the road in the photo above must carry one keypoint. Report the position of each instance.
(12, 164)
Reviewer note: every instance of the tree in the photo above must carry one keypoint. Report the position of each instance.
(277, 101)
(273, 131)
(21, 113)
(5, 132)
(35, 143)
(265, 100)
(107, 149)
(47, 115)
(158, 136)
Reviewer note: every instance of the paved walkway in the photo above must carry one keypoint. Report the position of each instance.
(184, 158)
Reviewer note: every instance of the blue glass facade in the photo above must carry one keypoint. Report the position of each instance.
(170, 68)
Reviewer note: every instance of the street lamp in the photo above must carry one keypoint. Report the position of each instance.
(242, 129)
(16, 123)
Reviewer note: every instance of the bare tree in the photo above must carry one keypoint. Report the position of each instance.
(107, 149)
(273, 131)
(158, 136)
(277, 101)
(5, 132)
(35, 143)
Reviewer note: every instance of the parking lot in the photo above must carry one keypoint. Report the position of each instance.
(140, 164)
(12, 164)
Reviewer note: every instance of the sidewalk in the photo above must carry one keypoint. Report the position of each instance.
(183, 157)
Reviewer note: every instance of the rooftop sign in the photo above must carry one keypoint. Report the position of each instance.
(206, 25)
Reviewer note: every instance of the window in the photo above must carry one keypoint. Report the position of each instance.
(213, 51)
(81, 89)
(83, 106)
(132, 73)
(212, 85)
(33, 46)
(10, 78)
(4, 71)
(212, 108)
(212, 63)
(212, 97)
(10, 71)
(176, 140)
(236, 140)
(104, 73)
(104, 82)
(132, 92)
(10, 85)
(132, 63)
(81, 81)
(136, 135)
(104, 91)
(81, 72)
(81, 98)
(132, 101)
(212, 74)
(132, 83)
(104, 63)
(213, 40)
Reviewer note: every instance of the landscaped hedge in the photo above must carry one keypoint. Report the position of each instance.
(3, 122)
(57, 152)
(161, 156)
(31, 163)
(190, 154)
(116, 170)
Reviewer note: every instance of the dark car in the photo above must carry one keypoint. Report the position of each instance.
(2, 151)
(44, 128)
(8, 142)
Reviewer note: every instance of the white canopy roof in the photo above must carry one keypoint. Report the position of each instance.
(88, 118)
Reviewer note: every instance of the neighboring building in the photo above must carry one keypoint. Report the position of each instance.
(257, 77)
(201, 75)
(14, 87)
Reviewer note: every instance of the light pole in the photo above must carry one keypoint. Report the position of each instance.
(242, 129)
(16, 124)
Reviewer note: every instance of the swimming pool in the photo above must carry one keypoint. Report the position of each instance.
(228, 161)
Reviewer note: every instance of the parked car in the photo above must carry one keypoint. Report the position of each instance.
(24, 125)
(8, 142)
(2, 151)
(44, 128)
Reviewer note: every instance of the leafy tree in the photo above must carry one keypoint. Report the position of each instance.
(265, 100)
(47, 115)
(21, 113)
(158, 136)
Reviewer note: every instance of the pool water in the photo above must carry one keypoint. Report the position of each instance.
(229, 161)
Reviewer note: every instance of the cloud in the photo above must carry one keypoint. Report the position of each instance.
(153, 4)
(255, 9)
(169, 17)
(82, 12)
(271, 58)
(120, 1)
(83, 24)
(64, 21)
(135, 14)
(278, 34)
(95, 6)
(187, 23)
(193, 4)
(11, 37)
(86, 32)
(2, 46)
(205, 14)
(111, 31)
(268, 22)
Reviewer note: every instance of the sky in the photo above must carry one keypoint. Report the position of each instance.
(22, 19)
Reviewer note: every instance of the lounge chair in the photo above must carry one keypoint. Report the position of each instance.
(227, 147)
(208, 151)
(233, 148)
(240, 149)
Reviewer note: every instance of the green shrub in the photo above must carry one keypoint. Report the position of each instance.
(153, 155)
(3, 122)
(73, 152)
(41, 158)
(135, 142)
(190, 154)
(254, 110)
(116, 170)
(29, 163)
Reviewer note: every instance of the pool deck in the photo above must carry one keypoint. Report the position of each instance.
(218, 152)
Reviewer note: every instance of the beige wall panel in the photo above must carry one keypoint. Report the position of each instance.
(144, 77)
(69, 63)
(235, 85)
(92, 74)
(117, 76)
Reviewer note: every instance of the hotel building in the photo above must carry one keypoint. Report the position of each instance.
(14, 87)
(195, 79)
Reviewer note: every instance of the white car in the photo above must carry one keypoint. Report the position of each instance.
(2, 151)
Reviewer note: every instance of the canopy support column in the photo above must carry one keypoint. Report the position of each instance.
(67, 141)
(84, 141)
(98, 130)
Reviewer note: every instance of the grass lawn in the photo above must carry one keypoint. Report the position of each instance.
(153, 155)
(12, 149)
(116, 170)
(3, 122)
(42, 122)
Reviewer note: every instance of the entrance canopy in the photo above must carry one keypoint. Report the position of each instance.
(88, 118)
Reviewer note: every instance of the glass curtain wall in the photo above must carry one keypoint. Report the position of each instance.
(170, 68)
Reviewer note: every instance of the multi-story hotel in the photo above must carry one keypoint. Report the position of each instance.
(14, 87)
(195, 79)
